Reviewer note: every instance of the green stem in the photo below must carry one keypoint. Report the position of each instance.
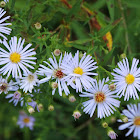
(125, 28)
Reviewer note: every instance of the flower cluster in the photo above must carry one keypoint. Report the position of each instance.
(20, 80)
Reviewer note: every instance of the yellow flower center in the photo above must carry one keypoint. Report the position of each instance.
(15, 57)
(137, 121)
(78, 70)
(26, 120)
(99, 97)
(129, 79)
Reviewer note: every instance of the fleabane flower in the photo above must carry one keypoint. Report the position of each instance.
(127, 80)
(78, 72)
(101, 97)
(3, 28)
(28, 82)
(133, 124)
(5, 86)
(14, 58)
(26, 121)
(54, 72)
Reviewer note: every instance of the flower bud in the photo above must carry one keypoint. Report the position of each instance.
(124, 119)
(54, 85)
(72, 98)
(123, 55)
(40, 107)
(29, 99)
(81, 54)
(112, 134)
(112, 87)
(113, 119)
(51, 108)
(76, 114)
(37, 26)
(2, 4)
(57, 52)
(104, 124)
(30, 109)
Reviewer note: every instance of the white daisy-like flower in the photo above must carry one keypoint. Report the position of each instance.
(5, 86)
(16, 58)
(3, 29)
(102, 97)
(55, 72)
(78, 72)
(28, 82)
(133, 124)
(127, 80)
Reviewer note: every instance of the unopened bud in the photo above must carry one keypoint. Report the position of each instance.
(112, 134)
(123, 55)
(29, 99)
(57, 52)
(51, 108)
(37, 26)
(76, 114)
(81, 55)
(54, 85)
(124, 119)
(72, 98)
(104, 124)
(2, 4)
(30, 109)
(112, 87)
(40, 107)
(113, 119)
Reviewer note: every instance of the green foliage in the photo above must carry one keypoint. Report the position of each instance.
(70, 27)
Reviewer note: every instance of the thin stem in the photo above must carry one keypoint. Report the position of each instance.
(125, 27)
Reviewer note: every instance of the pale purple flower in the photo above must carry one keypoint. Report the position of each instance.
(16, 97)
(26, 121)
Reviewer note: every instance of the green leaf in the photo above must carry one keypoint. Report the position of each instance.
(80, 47)
(74, 9)
(108, 57)
(132, 3)
(108, 28)
(110, 5)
